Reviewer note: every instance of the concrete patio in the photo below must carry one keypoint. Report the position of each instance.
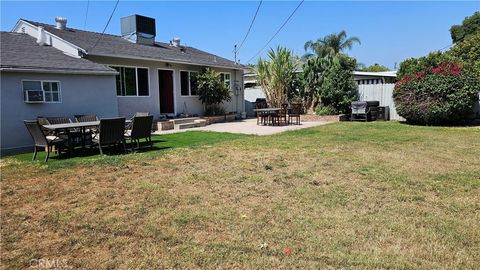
(248, 126)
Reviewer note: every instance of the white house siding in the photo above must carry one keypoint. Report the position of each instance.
(81, 94)
(183, 104)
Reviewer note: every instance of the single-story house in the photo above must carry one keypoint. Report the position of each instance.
(54, 70)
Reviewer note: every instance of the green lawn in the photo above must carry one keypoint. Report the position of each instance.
(344, 195)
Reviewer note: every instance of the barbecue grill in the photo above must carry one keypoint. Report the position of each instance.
(364, 110)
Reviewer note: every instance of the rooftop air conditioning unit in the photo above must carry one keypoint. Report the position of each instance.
(139, 28)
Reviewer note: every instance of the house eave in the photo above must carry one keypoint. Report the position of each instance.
(57, 71)
(164, 61)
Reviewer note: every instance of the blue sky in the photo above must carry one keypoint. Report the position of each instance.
(390, 31)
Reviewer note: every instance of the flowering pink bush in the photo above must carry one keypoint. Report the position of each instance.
(436, 95)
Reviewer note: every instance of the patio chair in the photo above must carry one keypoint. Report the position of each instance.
(295, 113)
(58, 120)
(141, 129)
(43, 141)
(281, 116)
(74, 135)
(86, 118)
(261, 116)
(111, 132)
(129, 125)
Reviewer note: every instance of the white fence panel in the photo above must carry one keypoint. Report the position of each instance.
(382, 93)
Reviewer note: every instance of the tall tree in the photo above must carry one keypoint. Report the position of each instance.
(330, 45)
(312, 75)
(375, 68)
(276, 75)
(469, 26)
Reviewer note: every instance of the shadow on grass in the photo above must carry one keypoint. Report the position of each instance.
(116, 155)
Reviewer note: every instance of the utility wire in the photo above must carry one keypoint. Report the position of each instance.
(86, 16)
(250, 27)
(278, 31)
(108, 22)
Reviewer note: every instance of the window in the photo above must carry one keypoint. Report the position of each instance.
(225, 77)
(41, 91)
(188, 83)
(132, 81)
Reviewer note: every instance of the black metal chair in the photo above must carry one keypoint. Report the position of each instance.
(111, 132)
(43, 141)
(86, 118)
(295, 113)
(141, 129)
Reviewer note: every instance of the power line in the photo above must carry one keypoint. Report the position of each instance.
(108, 22)
(250, 27)
(86, 16)
(278, 31)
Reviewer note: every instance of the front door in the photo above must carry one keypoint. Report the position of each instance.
(165, 86)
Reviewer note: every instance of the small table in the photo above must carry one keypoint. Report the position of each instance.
(267, 112)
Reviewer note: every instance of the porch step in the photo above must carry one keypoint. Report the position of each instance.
(193, 124)
(179, 121)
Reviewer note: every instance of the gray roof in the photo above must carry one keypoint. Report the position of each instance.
(21, 51)
(112, 45)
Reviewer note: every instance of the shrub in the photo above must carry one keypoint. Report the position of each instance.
(214, 110)
(414, 65)
(468, 51)
(338, 89)
(325, 110)
(211, 90)
(438, 95)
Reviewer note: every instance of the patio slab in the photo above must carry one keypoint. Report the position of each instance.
(248, 126)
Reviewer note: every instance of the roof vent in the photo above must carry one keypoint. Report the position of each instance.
(61, 23)
(138, 28)
(175, 42)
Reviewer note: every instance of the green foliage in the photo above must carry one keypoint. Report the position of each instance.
(375, 68)
(469, 26)
(468, 52)
(329, 45)
(312, 78)
(339, 89)
(211, 90)
(277, 75)
(414, 65)
(438, 95)
(325, 110)
(214, 110)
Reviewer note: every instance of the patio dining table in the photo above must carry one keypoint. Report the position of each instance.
(82, 126)
(267, 111)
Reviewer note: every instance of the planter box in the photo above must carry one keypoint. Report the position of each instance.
(219, 119)
(163, 125)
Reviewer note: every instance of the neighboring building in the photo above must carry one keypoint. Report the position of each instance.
(385, 77)
(143, 75)
(43, 81)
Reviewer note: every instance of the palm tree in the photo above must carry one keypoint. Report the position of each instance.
(330, 44)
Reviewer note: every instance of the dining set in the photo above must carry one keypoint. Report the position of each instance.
(287, 114)
(62, 135)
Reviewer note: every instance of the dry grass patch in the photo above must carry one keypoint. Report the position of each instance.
(347, 195)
